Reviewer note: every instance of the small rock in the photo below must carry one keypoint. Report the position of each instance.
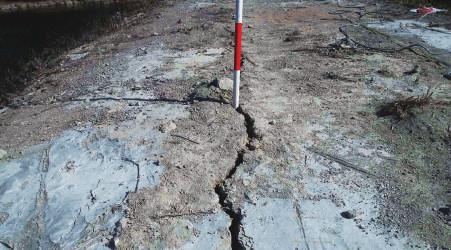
(254, 144)
(414, 74)
(3, 154)
(348, 214)
(445, 210)
(224, 83)
(3, 217)
(272, 122)
(141, 51)
(447, 75)
(415, 70)
(387, 71)
(3, 109)
(167, 127)
(331, 75)
(155, 34)
(136, 87)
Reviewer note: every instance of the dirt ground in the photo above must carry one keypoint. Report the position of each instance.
(129, 142)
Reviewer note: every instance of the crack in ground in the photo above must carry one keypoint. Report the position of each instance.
(188, 101)
(112, 243)
(36, 228)
(236, 216)
(221, 191)
(41, 199)
(5, 244)
(251, 130)
(138, 176)
(298, 213)
(164, 216)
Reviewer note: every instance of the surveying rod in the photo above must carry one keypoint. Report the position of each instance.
(237, 62)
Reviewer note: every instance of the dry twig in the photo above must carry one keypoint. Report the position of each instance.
(186, 138)
(341, 162)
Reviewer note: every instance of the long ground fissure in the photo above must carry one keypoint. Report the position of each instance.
(221, 189)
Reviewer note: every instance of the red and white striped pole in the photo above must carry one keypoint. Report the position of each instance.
(237, 63)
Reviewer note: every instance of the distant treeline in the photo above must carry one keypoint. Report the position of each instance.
(33, 41)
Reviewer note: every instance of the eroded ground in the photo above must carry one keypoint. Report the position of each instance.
(131, 142)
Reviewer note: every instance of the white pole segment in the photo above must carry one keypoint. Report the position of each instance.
(236, 89)
(239, 11)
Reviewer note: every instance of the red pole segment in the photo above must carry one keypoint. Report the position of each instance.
(238, 37)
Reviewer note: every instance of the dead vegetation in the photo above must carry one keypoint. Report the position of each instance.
(405, 108)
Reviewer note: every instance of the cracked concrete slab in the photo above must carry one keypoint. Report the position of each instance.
(84, 175)
(271, 223)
